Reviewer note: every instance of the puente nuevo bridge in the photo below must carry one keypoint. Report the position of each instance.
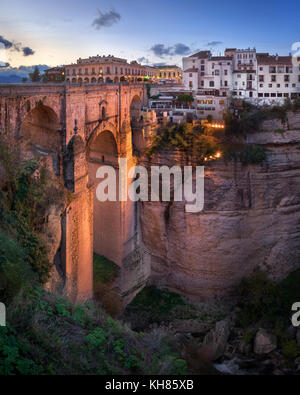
(78, 129)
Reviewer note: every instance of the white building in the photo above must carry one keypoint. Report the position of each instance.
(257, 77)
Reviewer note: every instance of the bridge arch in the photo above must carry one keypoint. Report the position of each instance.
(135, 122)
(103, 151)
(41, 129)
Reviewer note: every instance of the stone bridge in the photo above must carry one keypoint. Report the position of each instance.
(79, 129)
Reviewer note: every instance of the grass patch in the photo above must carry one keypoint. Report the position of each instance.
(105, 274)
(153, 305)
(105, 270)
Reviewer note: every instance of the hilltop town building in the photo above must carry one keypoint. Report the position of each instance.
(168, 74)
(243, 73)
(106, 69)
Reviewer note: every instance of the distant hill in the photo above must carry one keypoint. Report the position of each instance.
(10, 79)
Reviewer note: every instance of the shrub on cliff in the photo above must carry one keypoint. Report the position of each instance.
(266, 302)
(27, 190)
(186, 138)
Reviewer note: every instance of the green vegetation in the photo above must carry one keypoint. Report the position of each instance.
(185, 99)
(35, 76)
(248, 118)
(105, 274)
(153, 305)
(49, 335)
(186, 138)
(266, 303)
(246, 154)
(27, 191)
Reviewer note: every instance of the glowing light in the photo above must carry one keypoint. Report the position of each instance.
(218, 155)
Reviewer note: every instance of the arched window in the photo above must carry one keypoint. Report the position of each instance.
(103, 113)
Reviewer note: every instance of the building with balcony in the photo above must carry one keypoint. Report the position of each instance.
(107, 69)
(243, 73)
(168, 74)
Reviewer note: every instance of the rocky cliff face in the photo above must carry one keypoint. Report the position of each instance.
(251, 218)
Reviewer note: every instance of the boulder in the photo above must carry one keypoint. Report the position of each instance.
(264, 342)
(217, 339)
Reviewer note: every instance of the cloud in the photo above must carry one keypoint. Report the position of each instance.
(7, 44)
(214, 43)
(181, 49)
(161, 50)
(143, 60)
(27, 51)
(106, 19)
(15, 46)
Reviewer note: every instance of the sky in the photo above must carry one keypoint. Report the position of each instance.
(58, 32)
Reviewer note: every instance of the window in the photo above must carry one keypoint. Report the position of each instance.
(270, 85)
(202, 83)
(279, 94)
(239, 75)
(286, 85)
(273, 94)
(225, 83)
(261, 85)
(211, 84)
(225, 72)
(261, 69)
(273, 78)
(298, 78)
(286, 78)
(202, 74)
(267, 94)
(202, 62)
(108, 70)
(202, 68)
(260, 95)
(261, 78)
(86, 71)
(286, 95)
(217, 72)
(278, 85)
(191, 75)
(272, 69)
(294, 85)
(191, 84)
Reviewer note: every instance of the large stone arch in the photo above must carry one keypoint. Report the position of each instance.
(103, 151)
(135, 122)
(41, 135)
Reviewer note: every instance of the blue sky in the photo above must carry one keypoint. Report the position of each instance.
(58, 32)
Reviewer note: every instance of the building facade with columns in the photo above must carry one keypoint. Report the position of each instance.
(107, 69)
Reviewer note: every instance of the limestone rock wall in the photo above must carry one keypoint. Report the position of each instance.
(251, 219)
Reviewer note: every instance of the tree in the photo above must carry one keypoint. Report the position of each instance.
(35, 76)
(24, 79)
(185, 99)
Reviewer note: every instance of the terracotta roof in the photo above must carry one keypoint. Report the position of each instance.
(201, 55)
(274, 60)
(191, 71)
(167, 67)
(221, 58)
